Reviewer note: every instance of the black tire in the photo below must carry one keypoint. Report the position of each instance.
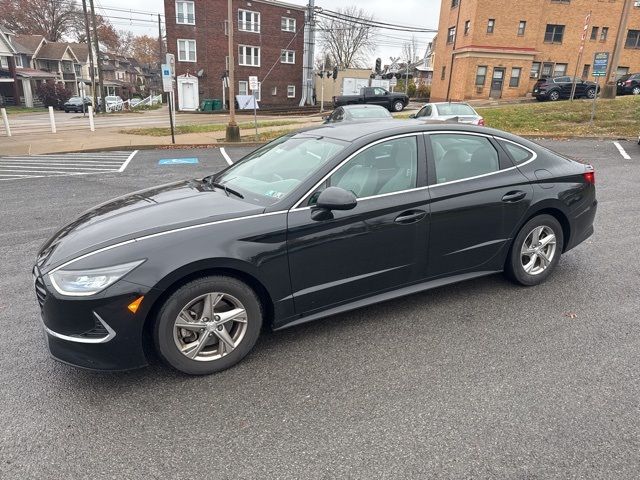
(66, 111)
(514, 268)
(554, 96)
(636, 90)
(590, 93)
(398, 106)
(163, 332)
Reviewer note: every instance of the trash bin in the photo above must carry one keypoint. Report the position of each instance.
(207, 105)
(217, 104)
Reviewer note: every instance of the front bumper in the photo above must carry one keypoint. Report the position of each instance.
(96, 333)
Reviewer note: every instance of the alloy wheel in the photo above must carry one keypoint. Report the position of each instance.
(591, 93)
(538, 250)
(210, 326)
(636, 90)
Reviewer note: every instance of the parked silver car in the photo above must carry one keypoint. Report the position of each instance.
(358, 113)
(447, 111)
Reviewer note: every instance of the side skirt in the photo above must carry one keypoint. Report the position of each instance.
(383, 297)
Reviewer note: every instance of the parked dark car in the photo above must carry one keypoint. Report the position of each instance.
(77, 104)
(358, 113)
(560, 88)
(313, 224)
(629, 84)
(395, 102)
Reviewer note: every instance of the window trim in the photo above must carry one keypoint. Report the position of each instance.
(491, 26)
(285, 52)
(451, 35)
(15, 61)
(522, 28)
(511, 77)
(245, 23)
(245, 56)
(246, 83)
(294, 91)
(537, 72)
(484, 77)
(289, 20)
(553, 33)
(195, 50)
(637, 42)
(186, 17)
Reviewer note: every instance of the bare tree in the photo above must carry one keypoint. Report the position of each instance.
(346, 40)
(410, 50)
(51, 18)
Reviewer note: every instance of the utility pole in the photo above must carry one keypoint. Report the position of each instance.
(312, 50)
(453, 51)
(609, 89)
(92, 71)
(233, 130)
(160, 43)
(98, 58)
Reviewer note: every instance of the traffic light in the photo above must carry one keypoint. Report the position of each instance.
(378, 65)
(335, 72)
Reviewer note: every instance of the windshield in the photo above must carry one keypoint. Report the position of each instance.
(369, 113)
(455, 109)
(272, 172)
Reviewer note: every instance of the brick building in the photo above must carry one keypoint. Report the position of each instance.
(499, 50)
(269, 43)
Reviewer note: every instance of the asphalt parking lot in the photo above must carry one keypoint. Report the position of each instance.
(478, 380)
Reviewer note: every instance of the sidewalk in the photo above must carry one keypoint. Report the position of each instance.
(111, 139)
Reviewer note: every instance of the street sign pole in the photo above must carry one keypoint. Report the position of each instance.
(254, 86)
(600, 66)
(593, 107)
(167, 87)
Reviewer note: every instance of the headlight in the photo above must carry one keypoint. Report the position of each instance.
(81, 283)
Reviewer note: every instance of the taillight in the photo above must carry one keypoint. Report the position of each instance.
(481, 122)
(590, 175)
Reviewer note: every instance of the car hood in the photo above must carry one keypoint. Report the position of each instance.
(145, 212)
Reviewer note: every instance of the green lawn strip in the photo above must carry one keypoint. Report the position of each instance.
(204, 128)
(618, 117)
(14, 110)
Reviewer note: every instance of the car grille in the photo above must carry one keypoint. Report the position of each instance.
(41, 291)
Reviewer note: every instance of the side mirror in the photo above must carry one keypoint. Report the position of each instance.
(333, 198)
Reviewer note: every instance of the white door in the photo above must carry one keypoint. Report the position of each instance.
(188, 93)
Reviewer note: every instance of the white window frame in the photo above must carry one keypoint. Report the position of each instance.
(18, 60)
(4, 62)
(259, 95)
(184, 4)
(243, 85)
(242, 56)
(274, 91)
(254, 24)
(285, 54)
(288, 24)
(186, 49)
(291, 94)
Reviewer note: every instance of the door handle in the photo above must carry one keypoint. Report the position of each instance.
(411, 216)
(514, 196)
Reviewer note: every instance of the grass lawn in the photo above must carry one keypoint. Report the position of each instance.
(14, 110)
(614, 118)
(183, 129)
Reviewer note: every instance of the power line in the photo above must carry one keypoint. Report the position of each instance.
(373, 23)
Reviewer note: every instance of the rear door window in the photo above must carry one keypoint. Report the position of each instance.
(459, 157)
(517, 153)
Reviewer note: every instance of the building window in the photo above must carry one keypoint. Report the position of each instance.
(243, 87)
(443, 74)
(467, 27)
(451, 35)
(248, 21)
(185, 13)
(226, 28)
(226, 64)
(491, 25)
(554, 33)
(621, 71)
(4, 62)
(287, 56)
(633, 39)
(288, 24)
(18, 59)
(603, 34)
(291, 91)
(535, 70)
(186, 50)
(455, 3)
(560, 69)
(481, 75)
(514, 81)
(594, 33)
(547, 69)
(522, 26)
(585, 71)
(248, 56)
(274, 91)
(258, 93)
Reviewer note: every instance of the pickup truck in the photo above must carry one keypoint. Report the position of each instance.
(394, 102)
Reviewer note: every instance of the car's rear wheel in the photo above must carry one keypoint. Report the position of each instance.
(398, 106)
(636, 90)
(591, 93)
(208, 325)
(555, 95)
(536, 251)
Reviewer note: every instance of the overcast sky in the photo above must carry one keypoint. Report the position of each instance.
(422, 13)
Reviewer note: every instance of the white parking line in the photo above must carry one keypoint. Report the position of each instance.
(126, 163)
(226, 156)
(622, 151)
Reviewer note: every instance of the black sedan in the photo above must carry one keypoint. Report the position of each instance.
(628, 84)
(77, 104)
(358, 113)
(313, 224)
(560, 87)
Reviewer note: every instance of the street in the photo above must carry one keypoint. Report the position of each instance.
(477, 380)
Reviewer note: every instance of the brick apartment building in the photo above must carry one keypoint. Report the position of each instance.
(500, 49)
(269, 43)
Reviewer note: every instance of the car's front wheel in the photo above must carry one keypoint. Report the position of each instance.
(398, 106)
(636, 90)
(555, 95)
(208, 325)
(591, 93)
(536, 251)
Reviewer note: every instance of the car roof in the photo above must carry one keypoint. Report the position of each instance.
(450, 103)
(358, 107)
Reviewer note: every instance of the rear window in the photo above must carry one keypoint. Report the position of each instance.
(369, 113)
(455, 109)
(516, 152)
